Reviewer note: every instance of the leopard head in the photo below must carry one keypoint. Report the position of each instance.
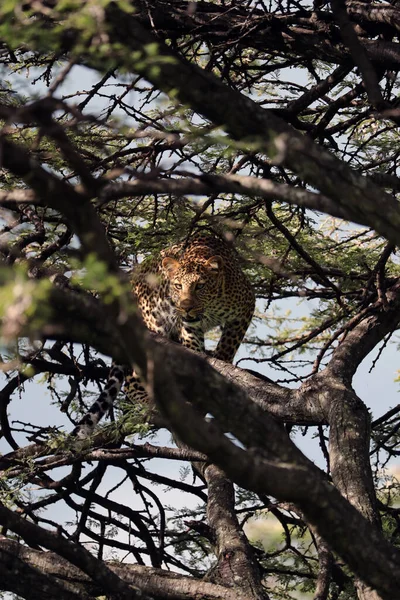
(193, 285)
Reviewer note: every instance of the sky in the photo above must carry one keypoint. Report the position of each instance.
(377, 390)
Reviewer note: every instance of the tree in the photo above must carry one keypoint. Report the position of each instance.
(275, 126)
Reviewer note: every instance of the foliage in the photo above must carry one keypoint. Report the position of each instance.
(126, 127)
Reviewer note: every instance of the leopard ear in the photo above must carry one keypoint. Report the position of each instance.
(215, 264)
(170, 265)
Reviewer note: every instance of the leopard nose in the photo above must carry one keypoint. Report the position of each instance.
(186, 304)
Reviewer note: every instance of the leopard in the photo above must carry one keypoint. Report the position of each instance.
(182, 293)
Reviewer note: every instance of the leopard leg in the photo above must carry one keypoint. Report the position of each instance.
(232, 336)
(192, 336)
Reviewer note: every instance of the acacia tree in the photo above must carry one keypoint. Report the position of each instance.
(274, 126)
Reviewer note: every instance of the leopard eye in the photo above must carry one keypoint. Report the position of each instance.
(200, 284)
(178, 286)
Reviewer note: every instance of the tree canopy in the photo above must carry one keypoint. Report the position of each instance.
(130, 125)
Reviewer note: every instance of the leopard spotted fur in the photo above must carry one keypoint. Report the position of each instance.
(187, 290)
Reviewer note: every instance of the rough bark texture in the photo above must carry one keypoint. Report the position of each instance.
(83, 194)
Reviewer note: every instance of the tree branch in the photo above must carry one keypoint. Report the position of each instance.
(247, 122)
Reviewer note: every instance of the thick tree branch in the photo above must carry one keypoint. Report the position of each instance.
(61, 197)
(75, 554)
(235, 184)
(236, 565)
(358, 54)
(366, 334)
(248, 420)
(312, 33)
(271, 465)
(247, 122)
(20, 574)
(70, 582)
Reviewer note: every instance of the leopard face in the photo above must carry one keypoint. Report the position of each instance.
(193, 285)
